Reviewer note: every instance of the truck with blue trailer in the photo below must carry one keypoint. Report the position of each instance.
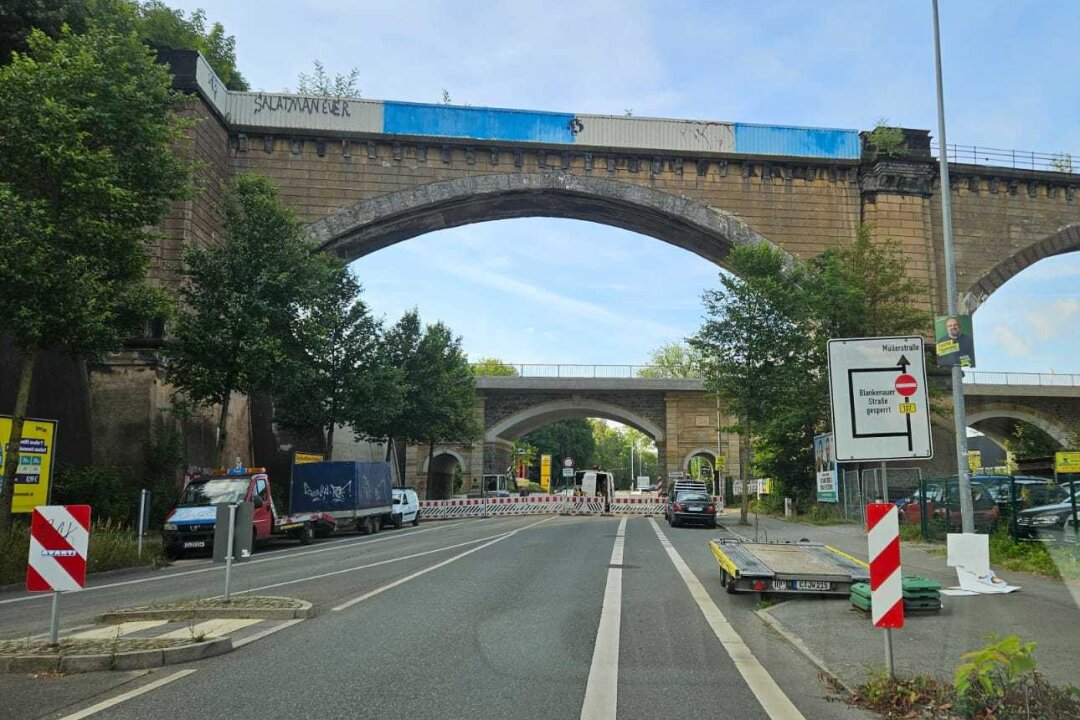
(324, 497)
(353, 493)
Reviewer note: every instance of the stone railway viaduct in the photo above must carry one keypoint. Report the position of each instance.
(367, 174)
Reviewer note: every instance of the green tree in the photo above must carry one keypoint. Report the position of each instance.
(493, 367)
(241, 301)
(322, 84)
(674, 360)
(439, 399)
(564, 438)
(85, 168)
(19, 17)
(755, 342)
(166, 28)
(337, 373)
(1028, 441)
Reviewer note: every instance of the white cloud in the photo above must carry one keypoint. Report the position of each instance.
(1013, 343)
(1048, 320)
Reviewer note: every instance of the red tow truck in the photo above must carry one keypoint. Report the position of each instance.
(189, 527)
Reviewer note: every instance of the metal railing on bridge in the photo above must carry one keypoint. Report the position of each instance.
(1062, 162)
(980, 377)
(535, 370)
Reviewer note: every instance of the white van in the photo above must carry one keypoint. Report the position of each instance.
(406, 507)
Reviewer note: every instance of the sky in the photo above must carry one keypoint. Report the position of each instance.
(558, 291)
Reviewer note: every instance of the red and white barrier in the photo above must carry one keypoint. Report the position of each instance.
(543, 505)
(59, 538)
(886, 581)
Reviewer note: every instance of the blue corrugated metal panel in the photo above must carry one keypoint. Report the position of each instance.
(796, 141)
(477, 123)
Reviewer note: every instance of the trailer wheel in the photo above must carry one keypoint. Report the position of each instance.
(723, 578)
(307, 534)
(731, 586)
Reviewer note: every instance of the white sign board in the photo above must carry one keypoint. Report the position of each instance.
(880, 406)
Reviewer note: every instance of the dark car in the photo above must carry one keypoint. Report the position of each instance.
(943, 505)
(691, 508)
(1047, 522)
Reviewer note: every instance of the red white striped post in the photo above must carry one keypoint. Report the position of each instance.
(886, 580)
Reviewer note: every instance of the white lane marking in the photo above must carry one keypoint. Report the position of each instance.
(113, 701)
(219, 568)
(436, 566)
(118, 630)
(332, 573)
(217, 627)
(773, 700)
(602, 689)
(263, 633)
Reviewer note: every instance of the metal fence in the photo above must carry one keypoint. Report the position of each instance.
(537, 370)
(981, 377)
(857, 489)
(1019, 159)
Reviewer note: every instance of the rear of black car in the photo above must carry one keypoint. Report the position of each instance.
(692, 508)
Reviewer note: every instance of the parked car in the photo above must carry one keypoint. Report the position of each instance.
(1047, 522)
(691, 507)
(406, 507)
(943, 504)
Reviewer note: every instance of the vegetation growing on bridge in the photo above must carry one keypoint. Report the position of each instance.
(764, 342)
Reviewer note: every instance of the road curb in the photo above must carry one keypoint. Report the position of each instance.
(796, 642)
(134, 660)
(306, 611)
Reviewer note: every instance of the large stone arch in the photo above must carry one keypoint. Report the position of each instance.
(444, 451)
(711, 452)
(1066, 239)
(382, 221)
(1059, 433)
(537, 416)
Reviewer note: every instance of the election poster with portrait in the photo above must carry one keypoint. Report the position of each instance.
(954, 341)
(825, 469)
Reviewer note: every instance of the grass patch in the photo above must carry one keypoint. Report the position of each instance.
(1055, 561)
(112, 546)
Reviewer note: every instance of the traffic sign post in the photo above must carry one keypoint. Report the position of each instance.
(59, 540)
(880, 406)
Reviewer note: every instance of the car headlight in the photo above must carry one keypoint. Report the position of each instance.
(1049, 519)
(169, 526)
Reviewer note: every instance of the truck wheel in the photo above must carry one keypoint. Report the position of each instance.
(364, 526)
(174, 553)
(307, 534)
(376, 523)
(398, 521)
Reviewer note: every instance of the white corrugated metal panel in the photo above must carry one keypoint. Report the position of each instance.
(274, 111)
(213, 89)
(655, 134)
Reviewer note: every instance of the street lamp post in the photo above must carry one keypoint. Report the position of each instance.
(967, 517)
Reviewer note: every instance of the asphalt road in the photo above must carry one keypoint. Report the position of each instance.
(554, 617)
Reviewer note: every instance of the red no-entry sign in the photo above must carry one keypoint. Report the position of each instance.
(906, 385)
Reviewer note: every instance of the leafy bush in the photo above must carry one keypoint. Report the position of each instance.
(999, 681)
(103, 489)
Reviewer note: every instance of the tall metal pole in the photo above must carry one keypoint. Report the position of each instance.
(967, 516)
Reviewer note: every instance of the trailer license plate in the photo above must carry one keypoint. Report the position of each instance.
(195, 544)
(812, 585)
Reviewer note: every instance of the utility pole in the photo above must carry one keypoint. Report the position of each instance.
(967, 516)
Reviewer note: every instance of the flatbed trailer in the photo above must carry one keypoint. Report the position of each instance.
(802, 568)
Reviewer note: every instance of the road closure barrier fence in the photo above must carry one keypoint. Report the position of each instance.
(543, 505)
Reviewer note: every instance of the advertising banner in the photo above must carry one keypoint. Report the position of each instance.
(36, 453)
(825, 469)
(545, 472)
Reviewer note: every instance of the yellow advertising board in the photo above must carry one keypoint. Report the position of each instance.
(545, 472)
(302, 457)
(36, 453)
(1067, 462)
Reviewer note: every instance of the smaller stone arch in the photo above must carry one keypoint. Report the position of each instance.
(711, 452)
(444, 451)
(1057, 433)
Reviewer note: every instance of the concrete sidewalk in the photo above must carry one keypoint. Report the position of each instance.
(1044, 611)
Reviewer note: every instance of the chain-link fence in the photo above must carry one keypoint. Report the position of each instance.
(871, 485)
